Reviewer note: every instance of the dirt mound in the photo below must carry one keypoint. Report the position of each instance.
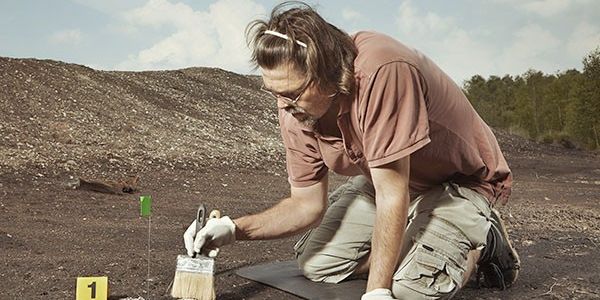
(58, 116)
(516, 146)
(68, 117)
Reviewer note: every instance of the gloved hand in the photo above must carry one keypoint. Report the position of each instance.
(377, 294)
(216, 233)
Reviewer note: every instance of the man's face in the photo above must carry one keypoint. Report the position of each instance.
(295, 95)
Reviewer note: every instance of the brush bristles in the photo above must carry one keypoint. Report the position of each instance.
(199, 286)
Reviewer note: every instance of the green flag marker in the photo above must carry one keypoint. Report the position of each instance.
(145, 205)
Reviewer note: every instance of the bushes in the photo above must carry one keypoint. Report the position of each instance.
(560, 138)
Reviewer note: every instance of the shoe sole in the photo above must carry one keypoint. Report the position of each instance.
(512, 249)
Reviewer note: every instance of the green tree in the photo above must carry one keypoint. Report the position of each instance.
(573, 124)
(588, 123)
(560, 107)
(492, 98)
(476, 91)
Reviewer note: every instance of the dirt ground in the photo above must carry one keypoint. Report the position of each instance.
(211, 136)
(50, 234)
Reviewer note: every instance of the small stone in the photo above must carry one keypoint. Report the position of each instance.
(527, 243)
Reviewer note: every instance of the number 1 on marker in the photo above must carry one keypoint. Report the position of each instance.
(92, 288)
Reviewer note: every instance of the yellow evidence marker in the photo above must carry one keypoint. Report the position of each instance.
(92, 288)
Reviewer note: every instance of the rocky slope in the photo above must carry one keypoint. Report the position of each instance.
(65, 117)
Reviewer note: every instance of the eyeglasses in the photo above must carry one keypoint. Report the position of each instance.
(285, 98)
(288, 99)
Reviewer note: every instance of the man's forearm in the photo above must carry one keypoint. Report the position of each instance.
(388, 232)
(288, 217)
(392, 201)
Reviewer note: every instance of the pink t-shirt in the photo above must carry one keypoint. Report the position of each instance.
(404, 105)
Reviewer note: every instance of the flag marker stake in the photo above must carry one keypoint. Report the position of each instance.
(148, 273)
(145, 211)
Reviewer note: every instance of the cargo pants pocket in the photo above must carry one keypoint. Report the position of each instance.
(427, 275)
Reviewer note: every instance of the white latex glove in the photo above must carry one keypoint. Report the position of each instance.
(216, 233)
(378, 294)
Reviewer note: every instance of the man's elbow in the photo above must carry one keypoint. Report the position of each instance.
(313, 212)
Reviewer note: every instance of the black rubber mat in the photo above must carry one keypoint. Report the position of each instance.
(287, 277)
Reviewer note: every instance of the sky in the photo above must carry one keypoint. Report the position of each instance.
(464, 37)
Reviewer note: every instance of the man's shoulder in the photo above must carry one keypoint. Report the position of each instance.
(361, 37)
(377, 49)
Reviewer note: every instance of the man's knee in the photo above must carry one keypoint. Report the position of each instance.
(311, 270)
(319, 267)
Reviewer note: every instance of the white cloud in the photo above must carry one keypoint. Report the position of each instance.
(352, 15)
(411, 20)
(214, 37)
(545, 8)
(109, 6)
(532, 46)
(450, 46)
(68, 36)
(585, 38)
(498, 48)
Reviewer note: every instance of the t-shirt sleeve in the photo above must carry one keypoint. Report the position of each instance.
(304, 164)
(394, 114)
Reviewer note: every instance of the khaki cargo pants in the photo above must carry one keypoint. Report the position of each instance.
(443, 225)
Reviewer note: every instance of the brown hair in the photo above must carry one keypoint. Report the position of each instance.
(328, 59)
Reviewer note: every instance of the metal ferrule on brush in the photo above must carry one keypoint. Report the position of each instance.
(199, 264)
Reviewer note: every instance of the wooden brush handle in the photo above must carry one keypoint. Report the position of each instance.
(215, 213)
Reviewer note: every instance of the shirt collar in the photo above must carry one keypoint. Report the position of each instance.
(345, 103)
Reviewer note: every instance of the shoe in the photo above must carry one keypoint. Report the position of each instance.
(499, 263)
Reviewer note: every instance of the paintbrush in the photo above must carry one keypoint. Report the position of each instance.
(194, 276)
